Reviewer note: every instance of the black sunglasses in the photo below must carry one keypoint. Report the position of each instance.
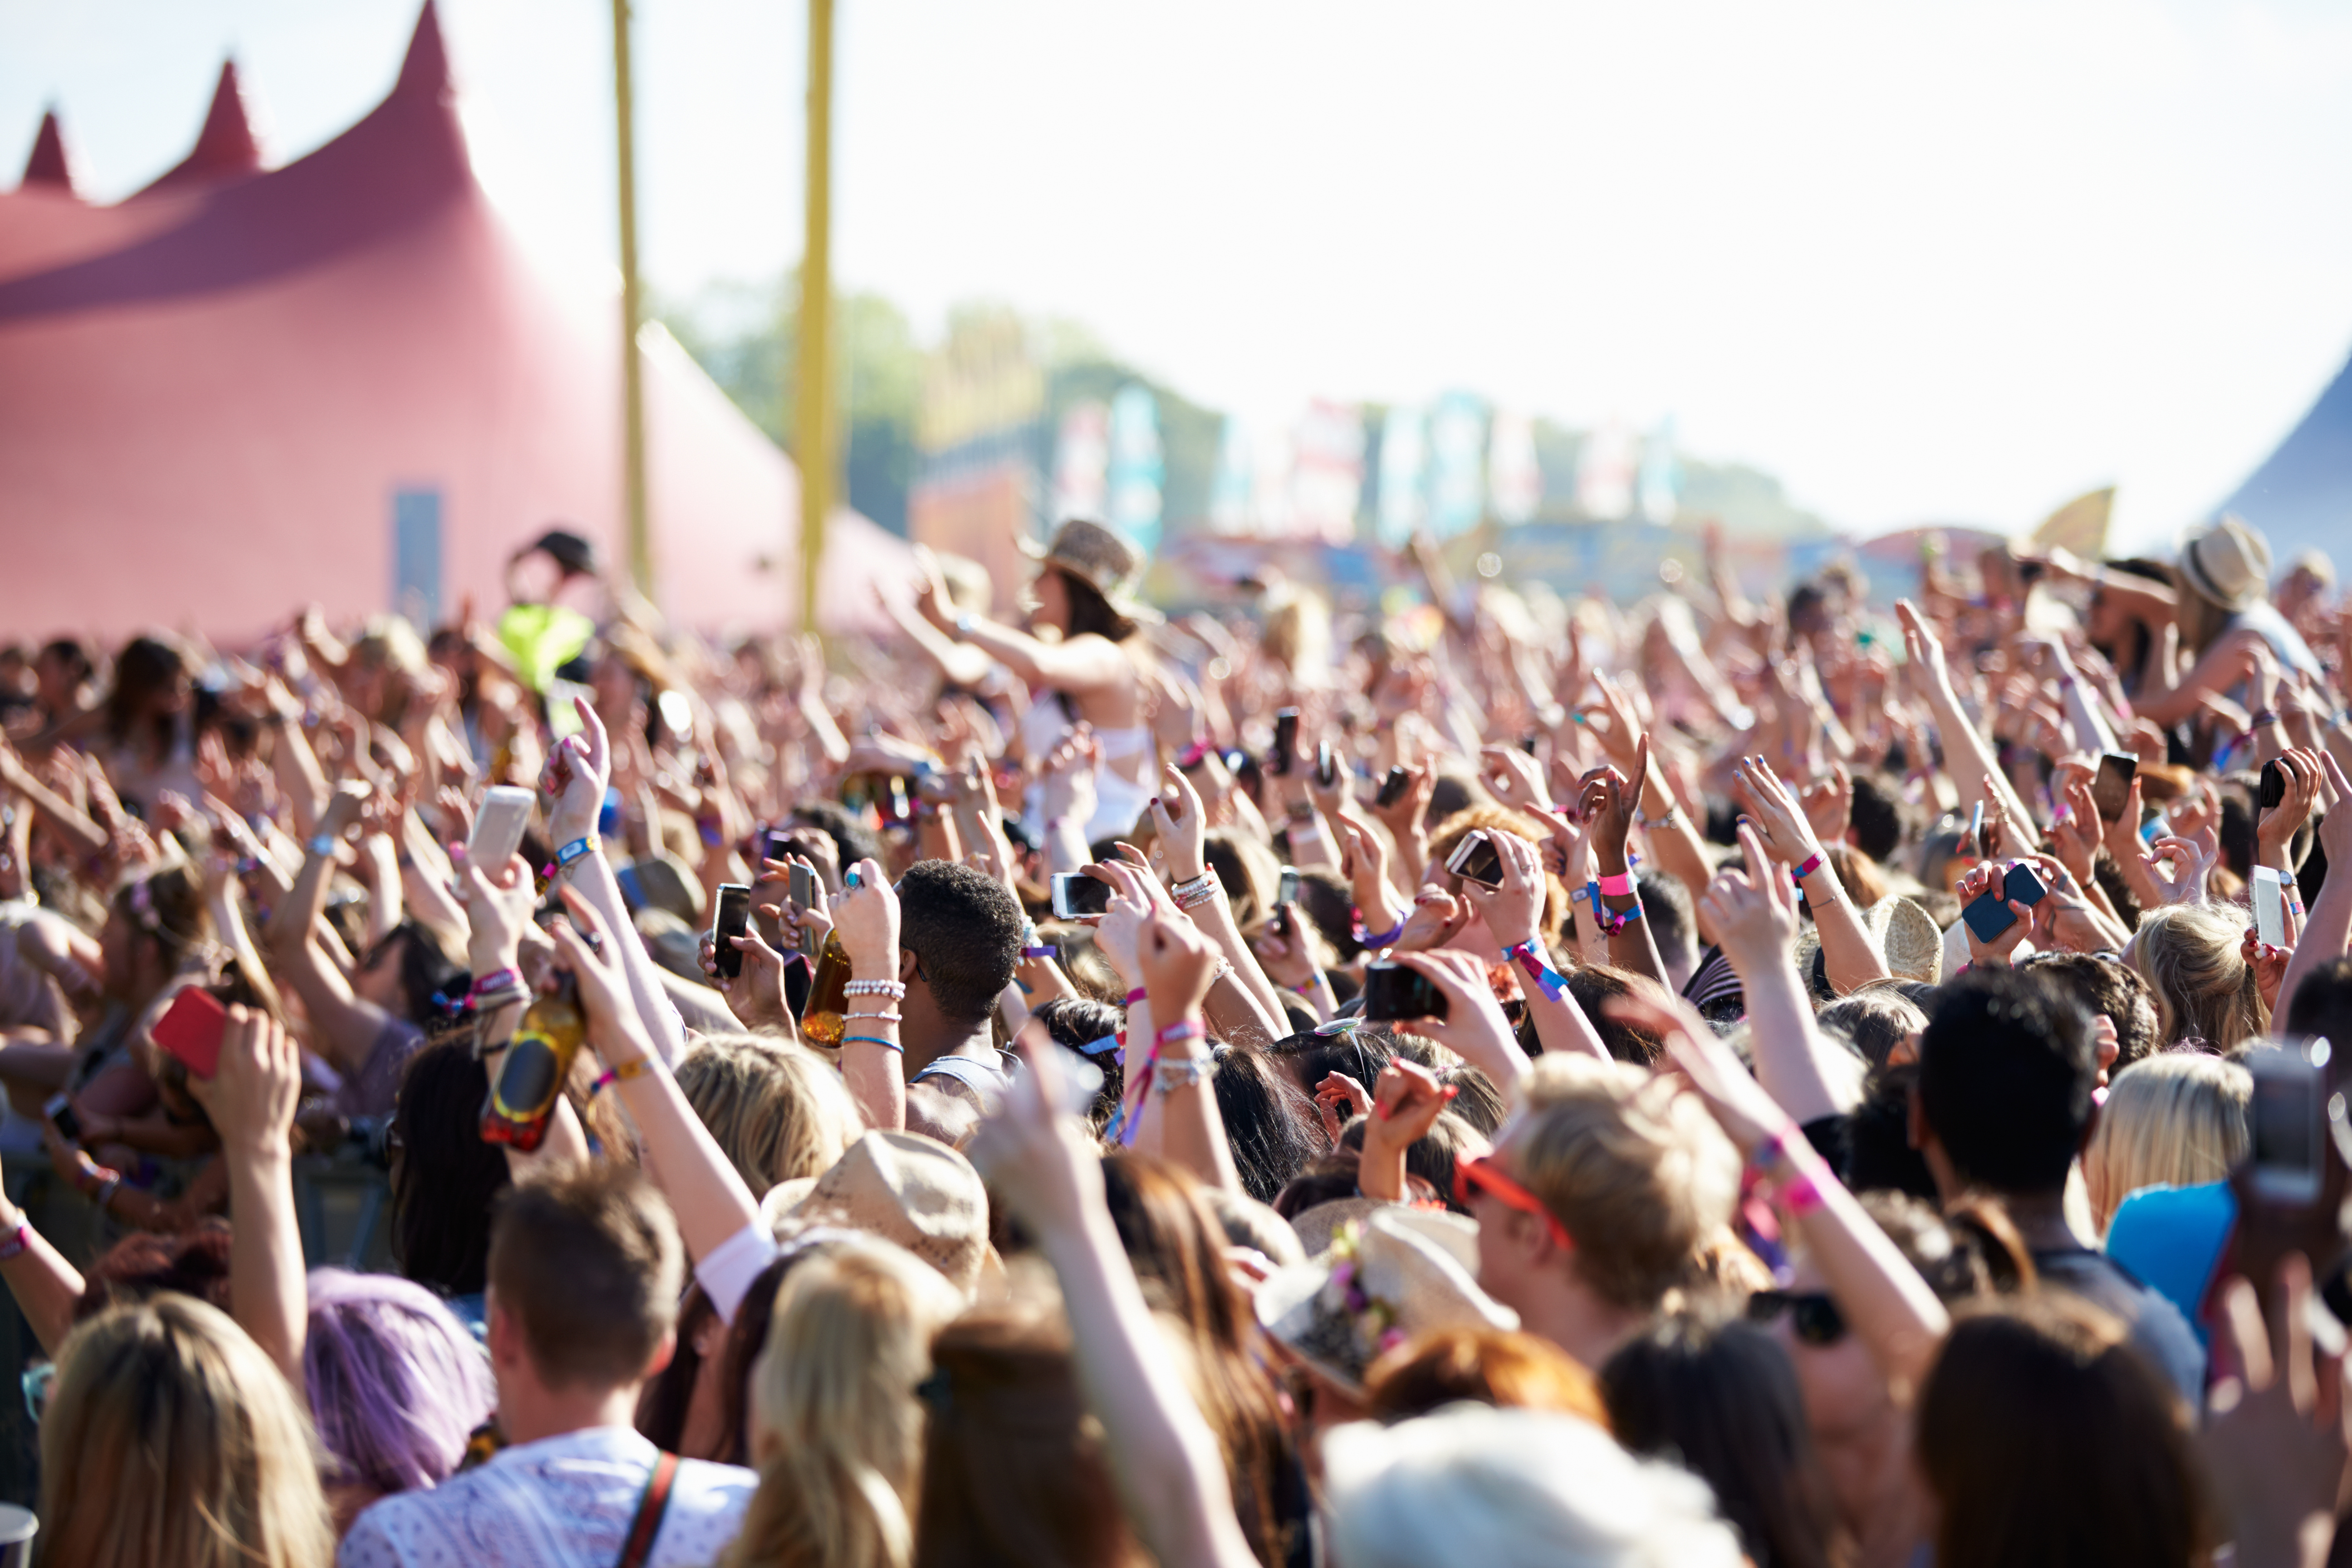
(1813, 1315)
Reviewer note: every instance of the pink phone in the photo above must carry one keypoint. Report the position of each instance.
(190, 1030)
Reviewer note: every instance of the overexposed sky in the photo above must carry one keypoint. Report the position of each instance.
(1924, 262)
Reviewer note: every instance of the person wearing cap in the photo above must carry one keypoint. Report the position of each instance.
(1091, 669)
(537, 631)
(2225, 619)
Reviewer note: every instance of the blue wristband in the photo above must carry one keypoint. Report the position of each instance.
(572, 851)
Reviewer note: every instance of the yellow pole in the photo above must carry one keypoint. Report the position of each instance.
(633, 392)
(813, 410)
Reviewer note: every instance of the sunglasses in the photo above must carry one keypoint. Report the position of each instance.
(1481, 1174)
(1812, 1313)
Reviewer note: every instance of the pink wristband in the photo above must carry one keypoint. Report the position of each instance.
(1135, 995)
(1812, 865)
(1620, 885)
(1184, 1031)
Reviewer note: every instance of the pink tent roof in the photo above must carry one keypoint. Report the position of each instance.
(211, 392)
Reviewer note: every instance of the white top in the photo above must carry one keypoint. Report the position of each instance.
(561, 1502)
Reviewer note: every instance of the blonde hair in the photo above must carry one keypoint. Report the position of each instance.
(836, 1427)
(1638, 1172)
(778, 1109)
(170, 1439)
(2188, 954)
(2175, 1119)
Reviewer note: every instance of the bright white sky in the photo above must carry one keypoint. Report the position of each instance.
(1925, 262)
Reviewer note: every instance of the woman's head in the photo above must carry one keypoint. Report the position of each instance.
(396, 1384)
(154, 926)
(151, 687)
(1075, 607)
(777, 1108)
(2189, 956)
(2178, 1118)
(1720, 1397)
(170, 1437)
(443, 1176)
(403, 971)
(1082, 1024)
(836, 1430)
(1272, 1125)
(1490, 1366)
(2046, 1439)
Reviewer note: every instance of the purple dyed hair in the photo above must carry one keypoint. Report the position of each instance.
(395, 1380)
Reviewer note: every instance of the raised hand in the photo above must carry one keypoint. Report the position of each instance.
(1514, 778)
(1178, 964)
(866, 918)
(1514, 909)
(2178, 865)
(1474, 1028)
(1336, 1091)
(1781, 826)
(1753, 913)
(1979, 881)
(1183, 825)
(576, 775)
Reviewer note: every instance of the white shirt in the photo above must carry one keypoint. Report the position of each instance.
(561, 1502)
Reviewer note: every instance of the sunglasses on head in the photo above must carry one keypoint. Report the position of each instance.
(1812, 1313)
(1480, 1174)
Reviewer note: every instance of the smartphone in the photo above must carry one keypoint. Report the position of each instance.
(2289, 1103)
(1287, 892)
(1527, 744)
(1286, 740)
(775, 844)
(1478, 859)
(1391, 991)
(2274, 786)
(498, 828)
(1327, 766)
(804, 896)
(2111, 791)
(60, 1111)
(1392, 787)
(2269, 906)
(191, 1029)
(1077, 894)
(1971, 843)
(2021, 886)
(1990, 915)
(733, 919)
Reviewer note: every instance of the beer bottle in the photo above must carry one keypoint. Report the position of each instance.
(821, 1016)
(529, 1077)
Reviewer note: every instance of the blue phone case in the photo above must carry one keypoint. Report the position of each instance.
(1989, 917)
(2021, 886)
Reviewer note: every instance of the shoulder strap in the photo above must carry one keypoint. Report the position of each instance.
(638, 1550)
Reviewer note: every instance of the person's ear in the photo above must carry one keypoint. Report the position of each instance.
(664, 1347)
(908, 962)
(503, 1335)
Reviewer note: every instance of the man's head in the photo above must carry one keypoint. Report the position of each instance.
(1879, 823)
(2107, 987)
(2321, 1007)
(585, 1270)
(2006, 1069)
(1638, 1175)
(963, 932)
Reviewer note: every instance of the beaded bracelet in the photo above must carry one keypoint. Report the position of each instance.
(893, 989)
(1174, 1073)
(1205, 882)
(1194, 900)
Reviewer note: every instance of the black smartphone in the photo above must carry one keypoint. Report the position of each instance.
(734, 917)
(1287, 892)
(1478, 859)
(1076, 894)
(2111, 791)
(1391, 991)
(60, 1111)
(804, 893)
(1392, 787)
(1286, 740)
(1327, 767)
(2022, 887)
(2274, 788)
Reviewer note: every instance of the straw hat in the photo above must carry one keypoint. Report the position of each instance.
(1101, 560)
(2229, 564)
(901, 1186)
(1396, 1274)
(1904, 934)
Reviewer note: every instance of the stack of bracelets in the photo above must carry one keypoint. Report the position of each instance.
(1617, 886)
(1196, 892)
(890, 990)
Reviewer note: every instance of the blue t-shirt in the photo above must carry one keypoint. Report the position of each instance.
(2172, 1238)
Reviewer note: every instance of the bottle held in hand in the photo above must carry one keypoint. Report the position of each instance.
(822, 1020)
(531, 1072)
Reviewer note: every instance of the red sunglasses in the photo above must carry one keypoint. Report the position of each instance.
(1482, 1173)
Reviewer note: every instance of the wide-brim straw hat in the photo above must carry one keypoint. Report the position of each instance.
(1905, 935)
(1414, 1271)
(2229, 564)
(903, 1187)
(1101, 560)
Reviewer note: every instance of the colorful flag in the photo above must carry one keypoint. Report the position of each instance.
(1135, 467)
(1404, 469)
(1457, 446)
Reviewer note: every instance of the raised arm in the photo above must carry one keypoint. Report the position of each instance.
(1755, 917)
(251, 1102)
(1511, 913)
(1967, 753)
(1848, 954)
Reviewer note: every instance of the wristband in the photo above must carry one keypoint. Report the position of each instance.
(321, 843)
(1812, 864)
(1530, 958)
(1185, 1030)
(18, 1241)
(572, 851)
(873, 1040)
(1134, 997)
(1655, 823)
(1206, 882)
(878, 1017)
(1101, 1048)
(1618, 885)
(1172, 1073)
(893, 989)
(1611, 921)
(2267, 716)
(1371, 938)
(1039, 951)
(497, 980)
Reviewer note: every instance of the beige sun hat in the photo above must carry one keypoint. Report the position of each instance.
(1394, 1275)
(1904, 934)
(901, 1186)
(2229, 564)
(1316, 1227)
(1101, 560)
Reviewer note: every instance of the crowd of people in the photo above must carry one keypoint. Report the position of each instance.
(1486, 1078)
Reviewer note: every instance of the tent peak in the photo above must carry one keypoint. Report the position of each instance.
(226, 148)
(425, 71)
(49, 165)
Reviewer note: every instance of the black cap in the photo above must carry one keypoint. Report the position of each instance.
(568, 550)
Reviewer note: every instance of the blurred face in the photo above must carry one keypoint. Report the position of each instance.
(1513, 1267)
(1846, 1398)
(377, 979)
(116, 942)
(1052, 594)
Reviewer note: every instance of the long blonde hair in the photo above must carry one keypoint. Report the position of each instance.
(778, 1109)
(170, 1439)
(837, 1426)
(2189, 956)
(2175, 1119)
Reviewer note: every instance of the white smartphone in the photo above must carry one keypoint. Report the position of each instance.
(2287, 1118)
(498, 827)
(2269, 906)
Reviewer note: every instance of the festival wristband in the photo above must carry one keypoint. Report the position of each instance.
(1618, 885)
(873, 1040)
(1188, 1030)
(1135, 995)
(1812, 864)
(1530, 958)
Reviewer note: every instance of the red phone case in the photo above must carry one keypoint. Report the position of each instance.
(191, 1029)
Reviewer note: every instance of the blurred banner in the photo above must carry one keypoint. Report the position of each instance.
(1660, 488)
(1229, 490)
(1604, 473)
(1457, 444)
(976, 486)
(1327, 481)
(1135, 468)
(1082, 462)
(1513, 478)
(1404, 475)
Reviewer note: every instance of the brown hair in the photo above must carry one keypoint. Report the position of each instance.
(1499, 819)
(1013, 1467)
(2046, 1439)
(1446, 1366)
(587, 1259)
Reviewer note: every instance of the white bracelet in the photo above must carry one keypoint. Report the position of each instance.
(1169, 1074)
(893, 989)
(1203, 883)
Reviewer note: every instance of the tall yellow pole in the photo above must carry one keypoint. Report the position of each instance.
(813, 421)
(633, 392)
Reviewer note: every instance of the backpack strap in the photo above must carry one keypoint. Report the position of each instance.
(638, 1550)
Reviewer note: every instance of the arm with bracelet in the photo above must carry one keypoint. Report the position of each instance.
(1512, 911)
(1179, 962)
(498, 908)
(873, 1058)
(1848, 955)
(1183, 825)
(45, 1287)
(1608, 803)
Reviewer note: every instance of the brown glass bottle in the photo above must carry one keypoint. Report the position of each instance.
(822, 1021)
(528, 1077)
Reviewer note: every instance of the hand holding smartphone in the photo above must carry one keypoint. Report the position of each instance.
(1076, 895)
(1392, 992)
(733, 919)
(190, 1028)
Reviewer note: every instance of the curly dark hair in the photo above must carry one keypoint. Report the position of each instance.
(964, 931)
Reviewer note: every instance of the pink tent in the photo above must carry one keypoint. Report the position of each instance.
(240, 391)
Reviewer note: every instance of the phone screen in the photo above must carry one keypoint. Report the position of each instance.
(1286, 740)
(734, 917)
(1077, 894)
(60, 1111)
(1477, 859)
(2274, 785)
(1391, 991)
(2285, 1125)
(2111, 791)
(2269, 906)
(804, 892)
